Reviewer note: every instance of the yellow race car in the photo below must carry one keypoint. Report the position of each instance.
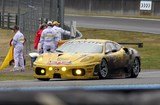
(88, 59)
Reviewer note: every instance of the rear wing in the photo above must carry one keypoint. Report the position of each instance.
(140, 45)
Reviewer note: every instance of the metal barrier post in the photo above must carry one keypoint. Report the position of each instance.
(0, 19)
(18, 12)
(61, 12)
(8, 21)
(16, 19)
(3, 9)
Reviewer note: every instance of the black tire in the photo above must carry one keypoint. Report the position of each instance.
(104, 71)
(43, 79)
(135, 68)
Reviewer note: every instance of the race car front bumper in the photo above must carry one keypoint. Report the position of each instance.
(65, 71)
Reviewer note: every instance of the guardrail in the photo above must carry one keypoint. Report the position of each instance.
(8, 20)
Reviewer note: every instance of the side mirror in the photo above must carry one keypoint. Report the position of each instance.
(34, 54)
(114, 50)
(107, 51)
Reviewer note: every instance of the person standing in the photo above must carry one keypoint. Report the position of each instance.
(38, 35)
(18, 44)
(48, 39)
(59, 30)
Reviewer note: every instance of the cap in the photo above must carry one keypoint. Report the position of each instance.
(56, 23)
(49, 22)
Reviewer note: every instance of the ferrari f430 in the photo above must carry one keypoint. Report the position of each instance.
(88, 59)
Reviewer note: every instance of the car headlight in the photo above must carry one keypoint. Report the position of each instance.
(42, 71)
(78, 72)
(50, 68)
(88, 58)
(63, 68)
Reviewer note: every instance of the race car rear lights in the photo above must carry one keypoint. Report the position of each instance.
(78, 72)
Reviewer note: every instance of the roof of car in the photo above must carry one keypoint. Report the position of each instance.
(93, 40)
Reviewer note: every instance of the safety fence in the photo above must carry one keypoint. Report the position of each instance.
(29, 14)
(8, 20)
(29, 23)
(111, 7)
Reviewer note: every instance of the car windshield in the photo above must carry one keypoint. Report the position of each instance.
(81, 47)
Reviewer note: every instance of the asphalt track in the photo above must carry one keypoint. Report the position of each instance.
(115, 23)
(143, 90)
(145, 80)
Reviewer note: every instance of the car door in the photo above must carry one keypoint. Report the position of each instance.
(114, 55)
(122, 56)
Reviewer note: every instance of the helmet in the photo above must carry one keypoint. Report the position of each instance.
(56, 23)
(49, 22)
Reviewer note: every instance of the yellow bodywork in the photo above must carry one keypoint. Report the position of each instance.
(70, 65)
(53, 63)
(64, 65)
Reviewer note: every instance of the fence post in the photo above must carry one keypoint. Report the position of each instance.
(18, 12)
(0, 19)
(43, 7)
(122, 7)
(90, 7)
(153, 8)
(61, 12)
(16, 19)
(3, 9)
(8, 21)
(50, 9)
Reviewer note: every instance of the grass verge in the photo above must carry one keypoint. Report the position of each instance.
(150, 53)
(11, 76)
(5, 37)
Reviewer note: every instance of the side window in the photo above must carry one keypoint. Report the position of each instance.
(108, 47)
(113, 47)
(118, 46)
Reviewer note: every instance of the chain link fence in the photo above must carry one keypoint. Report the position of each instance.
(31, 13)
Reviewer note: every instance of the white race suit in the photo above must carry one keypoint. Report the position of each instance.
(48, 40)
(61, 32)
(17, 42)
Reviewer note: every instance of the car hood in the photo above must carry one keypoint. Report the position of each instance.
(64, 58)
